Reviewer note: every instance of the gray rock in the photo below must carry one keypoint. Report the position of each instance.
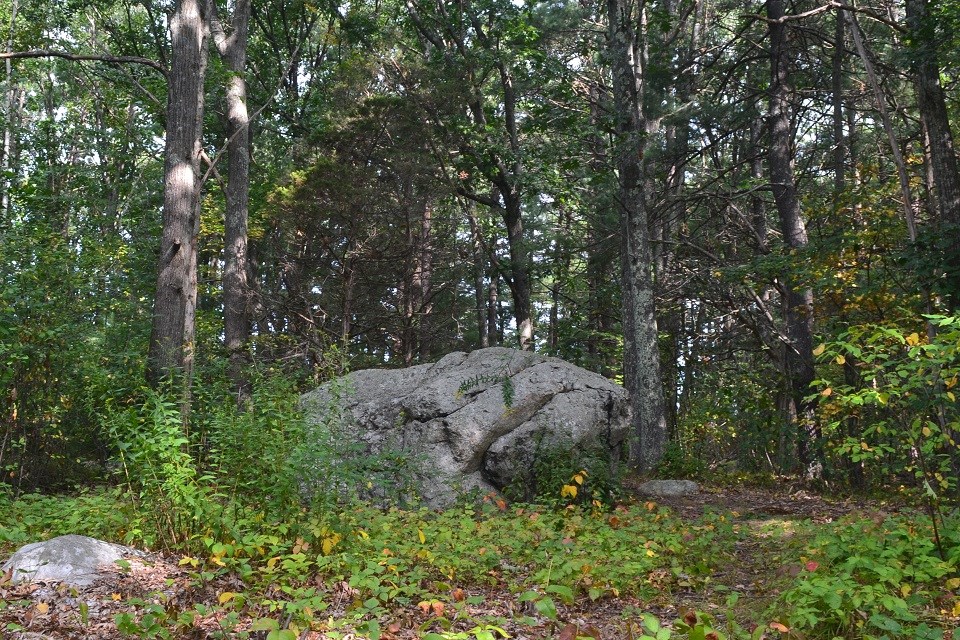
(474, 421)
(75, 560)
(669, 488)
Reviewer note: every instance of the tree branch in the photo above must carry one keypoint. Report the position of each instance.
(82, 57)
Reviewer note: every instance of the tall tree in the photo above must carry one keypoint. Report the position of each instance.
(175, 301)
(236, 287)
(797, 298)
(493, 148)
(641, 352)
(940, 142)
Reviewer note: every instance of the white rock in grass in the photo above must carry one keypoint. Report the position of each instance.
(74, 560)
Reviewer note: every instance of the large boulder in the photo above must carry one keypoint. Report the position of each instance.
(477, 420)
(74, 560)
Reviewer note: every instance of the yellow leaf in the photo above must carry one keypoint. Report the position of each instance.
(952, 397)
(865, 446)
(650, 506)
(115, 596)
(217, 561)
(905, 590)
(42, 607)
(272, 562)
(819, 350)
(226, 597)
(953, 583)
(651, 553)
(956, 609)
(568, 490)
(578, 479)
(841, 360)
(420, 535)
(826, 393)
(926, 432)
(329, 543)
(913, 339)
(187, 560)
(951, 383)
(363, 534)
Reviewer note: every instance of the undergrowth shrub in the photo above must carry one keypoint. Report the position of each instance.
(547, 479)
(251, 446)
(888, 403)
(175, 501)
(32, 517)
(872, 578)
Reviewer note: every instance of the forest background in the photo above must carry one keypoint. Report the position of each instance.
(748, 213)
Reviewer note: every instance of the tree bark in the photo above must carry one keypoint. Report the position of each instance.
(171, 339)
(236, 285)
(797, 300)
(839, 140)
(476, 245)
(641, 350)
(941, 148)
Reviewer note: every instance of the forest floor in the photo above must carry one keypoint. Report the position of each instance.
(762, 561)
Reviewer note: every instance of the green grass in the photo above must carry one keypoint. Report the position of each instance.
(474, 570)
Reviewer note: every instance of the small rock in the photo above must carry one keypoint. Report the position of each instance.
(669, 488)
(74, 560)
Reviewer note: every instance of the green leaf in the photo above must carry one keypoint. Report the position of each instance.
(265, 624)
(565, 593)
(651, 622)
(547, 607)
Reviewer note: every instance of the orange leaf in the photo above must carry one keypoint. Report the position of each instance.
(458, 595)
(776, 626)
(42, 607)
(437, 608)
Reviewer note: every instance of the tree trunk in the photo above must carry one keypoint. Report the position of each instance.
(171, 340)
(641, 351)
(943, 157)
(519, 281)
(839, 140)
(476, 244)
(797, 301)
(13, 108)
(236, 287)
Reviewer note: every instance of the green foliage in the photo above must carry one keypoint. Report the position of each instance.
(888, 401)
(160, 473)
(871, 578)
(485, 380)
(105, 515)
(251, 446)
(552, 471)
